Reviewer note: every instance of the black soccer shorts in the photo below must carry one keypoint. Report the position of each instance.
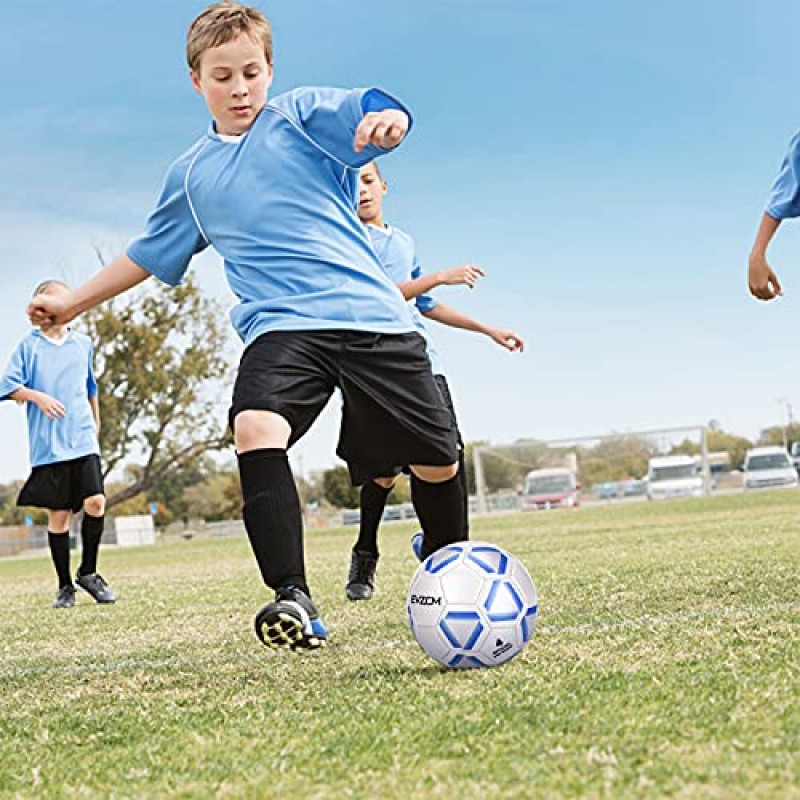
(64, 485)
(392, 410)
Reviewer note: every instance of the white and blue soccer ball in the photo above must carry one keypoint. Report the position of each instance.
(472, 604)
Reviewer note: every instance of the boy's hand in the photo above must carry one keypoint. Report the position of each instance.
(384, 129)
(508, 339)
(49, 406)
(466, 274)
(46, 310)
(763, 282)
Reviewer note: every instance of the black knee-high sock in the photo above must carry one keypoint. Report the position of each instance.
(440, 510)
(373, 501)
(272, 516)
(59, 550)
(462, 478)
(91, 531)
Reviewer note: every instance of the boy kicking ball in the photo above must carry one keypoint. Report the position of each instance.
(51, 372)
(273, 187)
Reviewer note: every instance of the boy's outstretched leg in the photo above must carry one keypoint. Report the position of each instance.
(91, 532)
(437, 495)
(274, 525)
(364, 556)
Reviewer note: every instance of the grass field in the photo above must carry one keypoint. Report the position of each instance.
(665, 664)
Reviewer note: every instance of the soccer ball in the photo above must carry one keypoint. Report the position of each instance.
(472, 604)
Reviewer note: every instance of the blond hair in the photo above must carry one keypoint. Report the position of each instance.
(221, 23)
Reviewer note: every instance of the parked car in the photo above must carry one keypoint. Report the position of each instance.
(769, 468)
(673, 476)
(351, 516)
(606, 491)
(556, 487)
(795, 453)
(633, 487)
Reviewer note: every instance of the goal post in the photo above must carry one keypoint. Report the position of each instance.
(602, 464)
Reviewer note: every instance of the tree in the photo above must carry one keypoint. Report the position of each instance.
(779, 434)
(218, 497)
(718, 441)
(338, 490)
(614, 458)
(160, 354)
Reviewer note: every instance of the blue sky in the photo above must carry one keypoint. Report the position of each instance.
(606, 163)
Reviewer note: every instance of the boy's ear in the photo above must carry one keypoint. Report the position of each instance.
(198, 87)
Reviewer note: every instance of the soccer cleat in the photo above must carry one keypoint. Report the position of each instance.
(95, 585)
(361, 580)
(290, 622)
(416, 545)
(65, 598)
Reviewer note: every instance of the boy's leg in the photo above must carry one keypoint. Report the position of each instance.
(444, 389)
(58, 540)
(438, 497)
(92, 525)
(91, 532)
(364, 556)
(281, 388)
(374, 495)
(274, 525)
(272, 515)
(391, 398)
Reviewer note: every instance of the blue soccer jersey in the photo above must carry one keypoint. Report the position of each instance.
(279, 205)
(63, 370)
(398, 256)
(784, 200)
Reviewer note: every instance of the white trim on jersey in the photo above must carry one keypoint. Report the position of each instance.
(189, 197)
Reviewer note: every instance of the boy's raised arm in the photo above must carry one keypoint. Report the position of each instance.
(117, 277)
(383, 129)
(352, 125)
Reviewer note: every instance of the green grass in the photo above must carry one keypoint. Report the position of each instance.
(665, 664)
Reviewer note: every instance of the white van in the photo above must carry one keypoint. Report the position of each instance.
(674, 476)
(769, 468)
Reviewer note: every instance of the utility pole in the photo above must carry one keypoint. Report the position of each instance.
(785, 406)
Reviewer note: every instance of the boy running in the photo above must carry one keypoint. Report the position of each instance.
(273, 187)
(397, 254)
(52, 374)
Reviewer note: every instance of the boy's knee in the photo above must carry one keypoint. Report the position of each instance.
(58, 521)
(435, 474)
(255, 429)
(386, 483)
(95, 506)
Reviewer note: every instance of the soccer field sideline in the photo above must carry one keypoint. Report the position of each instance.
(664, 665)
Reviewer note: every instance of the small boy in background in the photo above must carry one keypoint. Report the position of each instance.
(397, 254)
(52, 374)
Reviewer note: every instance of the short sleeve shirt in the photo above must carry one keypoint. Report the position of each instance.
(63, 370)
(398, 256)
(279, 205)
